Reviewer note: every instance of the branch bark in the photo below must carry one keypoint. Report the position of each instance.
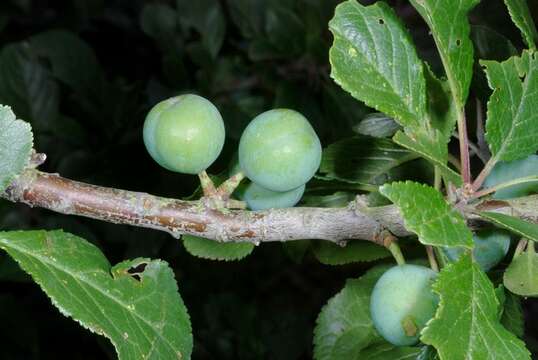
(356, 221)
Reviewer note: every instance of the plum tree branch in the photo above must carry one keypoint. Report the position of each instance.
(356, 221)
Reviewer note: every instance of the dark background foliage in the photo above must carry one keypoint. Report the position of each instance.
(85, 72)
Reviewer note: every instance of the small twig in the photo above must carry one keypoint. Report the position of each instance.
(431, 258)
(464, 147)
(483, 174)
(437, 182)
(454, 161)
(177, 217)
(520, 247)
(475, 149)
(480, 133)
(490, 190)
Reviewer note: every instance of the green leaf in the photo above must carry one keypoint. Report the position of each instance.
(512, 317)
(362, 159)
(466, 325)
(516, 225)
(448, 22)
(355, 251)
(430, 147)
(428, 214)
(344, 326)
(207, 17)
(214, 250)
(521, 275)
(158, 20)
(27, 86)
(428, 353)
(72, 60)
(296, 250)
(521, 16)
(377, 125)
(16, 142)
(491, 45)
(135, 303)
(373, 58)
(386, 351)
(512, 129)
(442, 111)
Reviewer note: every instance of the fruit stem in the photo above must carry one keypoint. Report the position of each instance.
(530, 247)
(520, 247)
(391, 243)
(207, 184)
(437, 178)
(441, 259)
(226, 189)
(236, 204)
(431, 258)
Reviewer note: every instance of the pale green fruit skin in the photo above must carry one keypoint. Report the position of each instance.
(403, 291)
(506, 171)
(279, 150)
(184, 134)
(490, 247)
(259, 198)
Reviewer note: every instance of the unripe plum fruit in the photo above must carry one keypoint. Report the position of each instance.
(184, 134)
(279, 150)
(259, 198)
(402, 302)
(490, 247)
(506, 171)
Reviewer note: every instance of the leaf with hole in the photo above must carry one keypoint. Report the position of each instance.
(449, 26)
(135, 303)
(373, 58)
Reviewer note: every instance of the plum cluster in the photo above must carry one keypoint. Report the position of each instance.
(279, 151)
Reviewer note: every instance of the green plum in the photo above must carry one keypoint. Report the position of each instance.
(279, 150)
(490, 247)
(506, 171)
(184, 134)
(259, 198)
(402, 302)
